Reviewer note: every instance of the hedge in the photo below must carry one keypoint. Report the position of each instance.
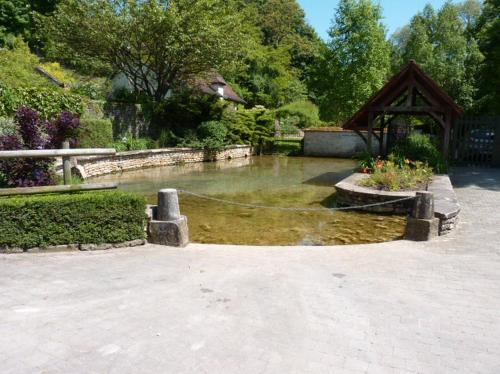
(95, 133)
(49, 102)
(77, 218)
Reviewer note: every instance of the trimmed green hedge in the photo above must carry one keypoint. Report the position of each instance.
(49, 102)
(95, 133)
(77, 218)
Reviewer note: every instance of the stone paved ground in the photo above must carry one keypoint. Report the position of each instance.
(398, 307)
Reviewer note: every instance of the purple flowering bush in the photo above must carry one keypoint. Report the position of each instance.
(35, 133)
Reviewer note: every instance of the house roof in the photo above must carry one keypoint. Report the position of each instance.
(211, 83)
(411, 74)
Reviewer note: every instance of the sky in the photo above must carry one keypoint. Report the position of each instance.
(397, 13)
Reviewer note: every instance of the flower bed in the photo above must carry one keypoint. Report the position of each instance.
(391, 176)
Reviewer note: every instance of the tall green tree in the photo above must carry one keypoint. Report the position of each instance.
(489, 43)
(357, 61)
(158, 44)
(18, 18)
(274, 68)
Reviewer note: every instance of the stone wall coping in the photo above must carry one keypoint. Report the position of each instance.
(335, 129)
(331, 129)
(350, 184)
(147, 152)
(446, 204)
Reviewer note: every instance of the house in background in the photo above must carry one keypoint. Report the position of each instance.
(213, 84)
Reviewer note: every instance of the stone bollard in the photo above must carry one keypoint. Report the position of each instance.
(168, 205)
(167, 226)
(421, 224)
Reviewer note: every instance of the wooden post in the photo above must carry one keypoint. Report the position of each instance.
(381, 140)
(66, 165)
(447, 133)
(370, 132)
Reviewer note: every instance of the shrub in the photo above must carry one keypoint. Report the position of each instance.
(17, 66)
(34, 133)
(129, 143)
(77, 218)
(389, 176)
(62, 75)
(7, 126)
(302, 114)
(212, 134)
(250, 126)
(49, 102)
(95, 133)
(419, 147)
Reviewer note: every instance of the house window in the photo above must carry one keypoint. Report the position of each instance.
(220, 91)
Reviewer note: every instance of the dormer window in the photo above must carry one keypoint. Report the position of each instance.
(220, 90)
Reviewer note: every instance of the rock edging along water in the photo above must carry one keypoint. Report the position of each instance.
(446, 206)
(95, 166)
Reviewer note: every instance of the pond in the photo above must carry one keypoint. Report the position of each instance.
(279, 181)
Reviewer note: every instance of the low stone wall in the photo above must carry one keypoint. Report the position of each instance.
(100, 165)
(446, 206)
(350, 193)
(336, 143)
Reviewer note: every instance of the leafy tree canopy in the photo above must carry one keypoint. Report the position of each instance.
(275, 67)
(489, 43)
(17, 18)
(356, 62)
(157, 44)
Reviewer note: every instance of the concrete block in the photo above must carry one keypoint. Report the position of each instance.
(421, 229)
(170, 233)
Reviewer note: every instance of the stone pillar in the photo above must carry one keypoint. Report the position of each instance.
(167, 226)
(421, 224)
(168, 205)
(423, 206)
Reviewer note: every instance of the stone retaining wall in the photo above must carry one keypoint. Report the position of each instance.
(336, 143)
(446, 206)
(100, 165)
(350, 193)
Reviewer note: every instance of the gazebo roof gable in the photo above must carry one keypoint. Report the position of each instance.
(411, 77)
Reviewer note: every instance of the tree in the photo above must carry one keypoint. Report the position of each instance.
(357, 61)
(489, 43)
(14, 18)
(17, 18)
(158, 44)
(274, 66)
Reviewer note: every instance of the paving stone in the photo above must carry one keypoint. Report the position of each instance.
(404, 307)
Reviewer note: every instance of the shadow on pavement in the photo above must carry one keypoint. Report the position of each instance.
(488, 179)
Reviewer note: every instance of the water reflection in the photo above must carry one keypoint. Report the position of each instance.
(264, 180)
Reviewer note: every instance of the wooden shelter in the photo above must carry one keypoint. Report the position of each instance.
(410, 92)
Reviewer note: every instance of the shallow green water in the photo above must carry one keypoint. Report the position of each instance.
(265, 180)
